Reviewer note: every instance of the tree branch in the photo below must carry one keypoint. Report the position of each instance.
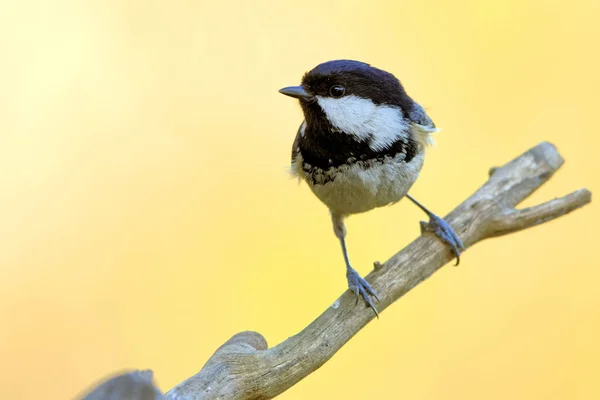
(244, 368)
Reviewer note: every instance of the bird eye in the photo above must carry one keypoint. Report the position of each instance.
(337, 91)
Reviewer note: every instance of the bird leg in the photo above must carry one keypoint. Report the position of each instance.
(441, 229)
(356, 283)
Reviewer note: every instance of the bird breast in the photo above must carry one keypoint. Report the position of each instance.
(363, 185)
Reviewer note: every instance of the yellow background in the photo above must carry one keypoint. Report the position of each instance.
(146, 214)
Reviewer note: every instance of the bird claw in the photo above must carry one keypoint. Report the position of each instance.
(443, 230)
(362, 288)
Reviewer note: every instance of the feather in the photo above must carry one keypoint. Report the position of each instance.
(424, 134)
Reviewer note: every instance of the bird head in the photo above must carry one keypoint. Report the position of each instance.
(353, 98)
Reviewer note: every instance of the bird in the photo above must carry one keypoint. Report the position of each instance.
(361, 146)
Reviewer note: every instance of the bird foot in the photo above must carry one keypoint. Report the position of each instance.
(442, 230)
(361, 288)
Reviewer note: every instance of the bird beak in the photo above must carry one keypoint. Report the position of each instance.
(297, 92)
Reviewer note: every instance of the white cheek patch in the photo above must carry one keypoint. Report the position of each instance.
(381, 125)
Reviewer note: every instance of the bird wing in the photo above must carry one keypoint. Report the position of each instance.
(296, 164)
(418, 116)
(422, 125)
(296, 144)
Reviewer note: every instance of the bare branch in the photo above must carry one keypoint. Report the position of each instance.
(135, 385)
(243, 368)
(516, 220)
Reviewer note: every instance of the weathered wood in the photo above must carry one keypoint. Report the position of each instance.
(135, 385)
(244, 368)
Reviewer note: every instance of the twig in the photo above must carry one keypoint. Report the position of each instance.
(244, 368)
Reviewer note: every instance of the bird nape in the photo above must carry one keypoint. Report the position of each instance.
(361, 146)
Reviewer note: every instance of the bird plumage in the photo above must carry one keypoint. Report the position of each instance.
(357, 153)
(361, 146)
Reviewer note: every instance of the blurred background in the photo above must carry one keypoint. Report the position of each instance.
(146, 213)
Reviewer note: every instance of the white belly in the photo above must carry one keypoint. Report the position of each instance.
(357, 189)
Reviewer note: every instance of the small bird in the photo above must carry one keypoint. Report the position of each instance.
(361, 146)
